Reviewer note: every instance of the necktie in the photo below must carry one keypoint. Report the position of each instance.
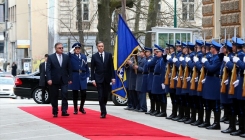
(45, 66)
(101, 57)
(60, 61)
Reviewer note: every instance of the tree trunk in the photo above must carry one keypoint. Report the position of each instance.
(104, 24)
(80, 24)
(137, 16)
(151, 20)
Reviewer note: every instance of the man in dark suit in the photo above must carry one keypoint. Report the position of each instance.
(102, 73)
(43, 79)
(59, 75)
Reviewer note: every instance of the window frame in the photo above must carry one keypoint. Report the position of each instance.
(187, 3)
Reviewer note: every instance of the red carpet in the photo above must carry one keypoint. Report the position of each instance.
(95, 128)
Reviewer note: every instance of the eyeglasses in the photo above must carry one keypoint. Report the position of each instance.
(60, 48)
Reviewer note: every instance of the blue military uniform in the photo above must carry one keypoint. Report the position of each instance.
(145, 81)
(211, 87)
(169, 90)
(80, 75)
(139, 80)
(237, 106)
(132, 84)
(158, 79)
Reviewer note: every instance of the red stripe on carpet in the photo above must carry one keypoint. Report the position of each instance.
(93, 127)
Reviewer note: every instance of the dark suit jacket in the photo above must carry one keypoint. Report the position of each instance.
(42, 80)
(100, 71)
(59, 74)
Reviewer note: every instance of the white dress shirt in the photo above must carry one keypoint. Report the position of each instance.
(59, 57)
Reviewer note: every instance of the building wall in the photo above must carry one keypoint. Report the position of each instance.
(221, 15)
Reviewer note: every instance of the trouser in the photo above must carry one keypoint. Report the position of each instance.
(130, 100)
(173, 97)
(237, 107)
(142, 100)
(103, 91)
(75, 98)
(43, 94)
(54, 94)
(212, 105)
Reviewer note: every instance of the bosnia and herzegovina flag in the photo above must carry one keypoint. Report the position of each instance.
(125, 45)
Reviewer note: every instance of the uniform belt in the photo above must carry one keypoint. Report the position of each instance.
(213, 75)
(80, 71)
(157, 74)
(145, 72)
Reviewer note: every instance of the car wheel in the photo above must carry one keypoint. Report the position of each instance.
(37, 95)
(119, 101)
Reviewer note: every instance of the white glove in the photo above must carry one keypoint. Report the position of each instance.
(72, 50)
(203, 81)
(244, 59)
(168, 57)
(195, 59)
(236, 83)
(163, 86)
(196, 79)
(188, 79)
(226, 59)
(235, 59)
(87, 79)
(175, 60)
(187, 59)
(176, 78)
(181, 58)
(204, 60)
(226, 82)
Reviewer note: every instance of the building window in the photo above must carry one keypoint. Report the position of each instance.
(85, 10)
(188, 9)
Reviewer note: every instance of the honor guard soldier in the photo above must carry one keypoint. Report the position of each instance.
(237, 107)
(224, 95)
(198, 101)
(211, 86)
(169, 90)
(158, 88)
(199, 66)
(178, 89)
(148, 56)
(184, 91)
(141, 95)
(151, 65)
(192, 93)
(132, 82)
(80, 75)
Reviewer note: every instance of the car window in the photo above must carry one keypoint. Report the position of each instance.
(6, 81)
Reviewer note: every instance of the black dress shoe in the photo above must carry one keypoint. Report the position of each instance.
(237, 133)
(150, 111)
(127, 108)
(82, 111)
(75, 112)
(204, 125)
(141, 110)
(103, 116)
(65, 114)
(196, 123)
(55, 115)
(214, 126)
(242, 135)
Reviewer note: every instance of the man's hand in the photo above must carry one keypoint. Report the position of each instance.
(87, 79)
(129, 62)
(136, 67)
(69, 82)
(195, 59)
(72, 50)
(204, 60)
(168, 57)
(50, 82)
(113, 81)
(94, 83)
(175, 60)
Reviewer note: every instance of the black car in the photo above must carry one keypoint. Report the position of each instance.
(28, 86)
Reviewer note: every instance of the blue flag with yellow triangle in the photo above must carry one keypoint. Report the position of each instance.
(125, 45)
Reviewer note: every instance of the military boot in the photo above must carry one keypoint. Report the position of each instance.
(152, 108)
(241, 127)
(200, 118)
(193, 117)
(187, 115)
(232, 125)
(157, 111)
(180, 115)
(216, 124)
(174, 112)
(207, 119)
(225, 117)
(163, 110)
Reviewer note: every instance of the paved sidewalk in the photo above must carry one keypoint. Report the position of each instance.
(16, 124)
